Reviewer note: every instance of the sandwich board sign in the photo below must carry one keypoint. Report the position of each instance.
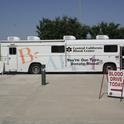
(115, 83)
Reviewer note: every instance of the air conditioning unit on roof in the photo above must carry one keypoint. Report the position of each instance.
(13, 38)
(69, 38)
(33, 38)
(102, 37)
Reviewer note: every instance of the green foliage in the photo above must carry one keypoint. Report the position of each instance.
(121, 33)
(110, 29)
(58, 27)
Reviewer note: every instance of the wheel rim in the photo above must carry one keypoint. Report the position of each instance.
(35, 70)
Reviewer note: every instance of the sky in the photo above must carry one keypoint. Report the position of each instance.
(20, 17)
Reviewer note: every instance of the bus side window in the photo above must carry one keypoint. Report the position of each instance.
(57, 49)
(110, 48)
(12, 51)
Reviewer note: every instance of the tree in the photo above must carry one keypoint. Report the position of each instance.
(110, 29)
(121, 33)
(57, 28)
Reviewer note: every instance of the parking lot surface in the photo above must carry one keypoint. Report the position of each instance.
(66, 99)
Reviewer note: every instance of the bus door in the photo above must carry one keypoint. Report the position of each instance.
(12, 59)
(122, 57)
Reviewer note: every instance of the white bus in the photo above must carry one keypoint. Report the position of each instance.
(66, 55)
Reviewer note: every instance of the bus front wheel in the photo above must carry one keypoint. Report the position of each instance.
(35, 68)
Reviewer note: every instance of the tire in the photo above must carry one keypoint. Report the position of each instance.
(108, 66)
(35, 69)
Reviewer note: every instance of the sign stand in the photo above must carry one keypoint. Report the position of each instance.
(101, 87)
(115, 81)
(122, 91)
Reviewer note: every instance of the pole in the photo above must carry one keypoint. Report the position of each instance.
(43, 75)
(122, 91)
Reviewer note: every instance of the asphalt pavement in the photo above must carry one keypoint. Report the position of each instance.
(66, 99)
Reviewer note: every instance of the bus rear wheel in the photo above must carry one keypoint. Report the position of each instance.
(107, 67)
(35, 68)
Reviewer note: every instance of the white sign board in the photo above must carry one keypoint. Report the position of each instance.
(115, 83)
